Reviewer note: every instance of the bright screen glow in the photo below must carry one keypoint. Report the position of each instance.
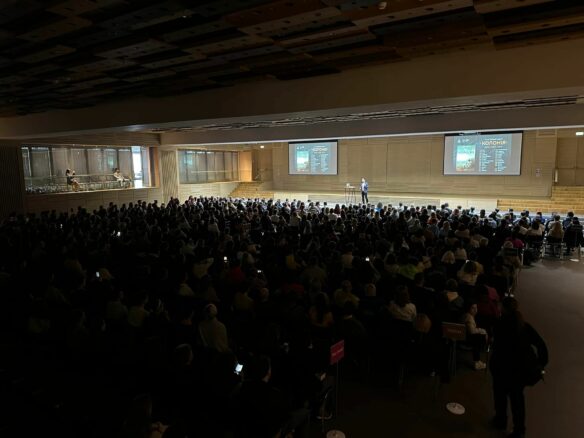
(483, 154)
(312, 158)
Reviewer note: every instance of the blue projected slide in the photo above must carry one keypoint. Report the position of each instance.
(312, 158)
(483, 154)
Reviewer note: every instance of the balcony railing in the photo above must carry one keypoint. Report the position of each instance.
(89, 182)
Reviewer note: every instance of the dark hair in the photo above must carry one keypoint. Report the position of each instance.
(257, 367)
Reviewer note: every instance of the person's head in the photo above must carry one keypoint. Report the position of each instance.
(258, 368)
(346, 286)
(402, 295)
(183, 355)
(471, 308)
(210, 311)
(370, 290)
(363, 179)
(451, 285)
(448, 258)
(116, 170)
(419, 279)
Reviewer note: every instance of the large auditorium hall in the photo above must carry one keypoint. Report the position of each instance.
(291, 218)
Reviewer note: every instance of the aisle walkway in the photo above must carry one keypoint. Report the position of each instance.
(552, 299)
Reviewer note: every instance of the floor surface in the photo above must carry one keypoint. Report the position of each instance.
(552, 299)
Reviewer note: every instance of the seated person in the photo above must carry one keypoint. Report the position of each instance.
(402, 308)
(555, 230)
(71, 180)
(573, 235)
(120, 177)
(475, 336)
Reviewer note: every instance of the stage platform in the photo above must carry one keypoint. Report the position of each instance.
(333, 198)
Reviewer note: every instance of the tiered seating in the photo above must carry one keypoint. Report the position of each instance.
(251, 190)
(563, 199)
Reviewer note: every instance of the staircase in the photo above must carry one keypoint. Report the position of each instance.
(563, 200)
(251, 190)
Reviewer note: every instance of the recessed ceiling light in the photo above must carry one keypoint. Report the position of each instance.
(580, 133)
(262, 146)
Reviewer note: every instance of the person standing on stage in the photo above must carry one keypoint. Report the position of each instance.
(364, 190)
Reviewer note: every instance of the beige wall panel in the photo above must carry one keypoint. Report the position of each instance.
(580, 153)
(210, 189)
(566, 177)
(414, 165)
(567, 153)
(245, 166)
(579, 177)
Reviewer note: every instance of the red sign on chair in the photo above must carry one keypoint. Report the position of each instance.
(337, 352)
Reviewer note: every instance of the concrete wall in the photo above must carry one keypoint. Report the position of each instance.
(413, 164)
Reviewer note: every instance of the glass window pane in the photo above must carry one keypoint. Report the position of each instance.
(26, 162)
(210, 166)
(145, 152)
(228, 166)
(219, 166)
(201, 166)
(111, 160)
(78, 161)
(60, 161)
(125, 161)
(95, 161)
(40, 162)
(235, 156)
(182, 160)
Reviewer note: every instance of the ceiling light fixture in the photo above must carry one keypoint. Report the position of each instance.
(262, 146)
(382, 5)
(580, 133)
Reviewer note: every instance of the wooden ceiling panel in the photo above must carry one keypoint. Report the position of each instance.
(215, 8)
(334, 32)
(293, 20)
(272, 11)
(150, 76)
(258, 51)
(72, 8)
(467, 28)
(214, 62)
(196, 31)
(46, 54)
(403, 10)
(13, 10)
(87, 51)
(517, 22)
(334, 42)
(61, 27)
(307, 27)
(540, 37)
(102, 65)
(225, 45)
(137, 49)
(168, 62)
(489, 6)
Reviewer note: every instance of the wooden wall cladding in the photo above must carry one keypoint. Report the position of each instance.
(75, 53)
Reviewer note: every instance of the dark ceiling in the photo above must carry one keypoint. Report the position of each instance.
(76, 53)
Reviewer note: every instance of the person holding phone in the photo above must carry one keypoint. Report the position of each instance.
(364, 191)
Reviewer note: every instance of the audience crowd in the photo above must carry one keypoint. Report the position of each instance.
(215, 317)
